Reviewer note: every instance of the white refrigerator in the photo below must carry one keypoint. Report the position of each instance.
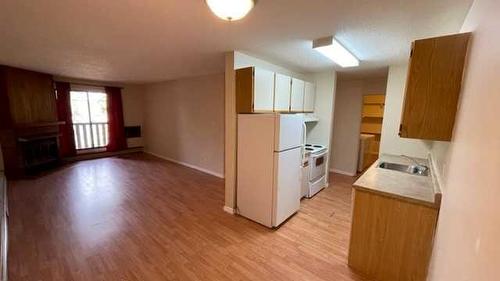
(269, 159)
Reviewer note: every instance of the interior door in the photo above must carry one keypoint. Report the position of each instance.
(263, 90)
(282, 86)
(309, 97)
(297, 95)
(287, 186)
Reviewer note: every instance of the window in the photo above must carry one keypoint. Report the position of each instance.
(90, 119)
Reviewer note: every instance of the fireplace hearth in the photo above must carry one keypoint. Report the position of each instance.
(39, 152)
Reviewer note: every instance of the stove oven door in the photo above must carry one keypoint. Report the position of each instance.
(317, 166)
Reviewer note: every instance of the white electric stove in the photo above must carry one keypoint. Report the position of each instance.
(315, 175)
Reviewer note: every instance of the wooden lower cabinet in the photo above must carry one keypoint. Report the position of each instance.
(391, 239)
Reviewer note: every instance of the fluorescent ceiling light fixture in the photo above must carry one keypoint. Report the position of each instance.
(333, 50)
(230, 10)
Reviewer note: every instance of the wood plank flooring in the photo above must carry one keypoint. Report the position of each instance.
(137, 217)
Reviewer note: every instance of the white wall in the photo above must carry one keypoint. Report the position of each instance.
(133, 111)
(184, 121)
(467, 243)
(390, 141)
(347, 121)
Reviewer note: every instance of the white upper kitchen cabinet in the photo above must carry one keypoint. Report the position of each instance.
(309, 97)
(282, 85)
(263, 90)
(297, 95)
(254, 90)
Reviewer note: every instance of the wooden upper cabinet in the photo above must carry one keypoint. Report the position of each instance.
(254, 90)
(297, 96)
(309, 97)
(282, 88)
(433, 87)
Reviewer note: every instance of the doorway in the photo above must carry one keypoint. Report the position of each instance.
(372, 117)
(89, 113)
(358, 114)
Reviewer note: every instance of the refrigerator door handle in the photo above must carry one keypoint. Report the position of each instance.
(304, 133)
(304, 139)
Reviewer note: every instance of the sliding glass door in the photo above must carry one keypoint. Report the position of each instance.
(90, 119)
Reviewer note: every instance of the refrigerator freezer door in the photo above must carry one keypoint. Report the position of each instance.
(287, 187)
(255, 180)
(289, 131)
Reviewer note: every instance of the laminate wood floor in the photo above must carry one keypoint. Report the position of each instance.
(137, 217)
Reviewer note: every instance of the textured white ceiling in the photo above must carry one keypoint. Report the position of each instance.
(152, 40)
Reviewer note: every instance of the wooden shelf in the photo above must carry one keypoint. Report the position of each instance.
(371, 123)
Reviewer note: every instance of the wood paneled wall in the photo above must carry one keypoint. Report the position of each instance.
(27, 108)
(31, 96)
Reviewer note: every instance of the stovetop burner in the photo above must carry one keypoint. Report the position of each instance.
(314, 148)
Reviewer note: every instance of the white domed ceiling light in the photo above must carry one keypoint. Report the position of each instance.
(230, 10)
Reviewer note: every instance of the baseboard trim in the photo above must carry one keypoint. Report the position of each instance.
(229, 210)
(342, 172)
(212, 173)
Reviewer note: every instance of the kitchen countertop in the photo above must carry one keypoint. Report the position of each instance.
(413, 188)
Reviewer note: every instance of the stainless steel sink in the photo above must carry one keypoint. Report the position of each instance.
(419, 170)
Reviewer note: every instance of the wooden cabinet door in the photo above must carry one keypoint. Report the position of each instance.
(263, 95)
(297, 96)
(309, 97)
(282, 89)
(433, 87)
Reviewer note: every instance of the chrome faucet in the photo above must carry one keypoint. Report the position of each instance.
(421, 168)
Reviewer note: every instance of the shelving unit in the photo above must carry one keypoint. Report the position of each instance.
(371, 124)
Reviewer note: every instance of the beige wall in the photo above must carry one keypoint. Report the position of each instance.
(242, 60)
(390, 141)
(467, 244)
(230, 134)
(321, 131)
(133, 111)
(347, 121)
(346, 127)
(184, 121)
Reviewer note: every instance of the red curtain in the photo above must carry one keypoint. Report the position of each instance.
(66, 138)
(117, 139)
